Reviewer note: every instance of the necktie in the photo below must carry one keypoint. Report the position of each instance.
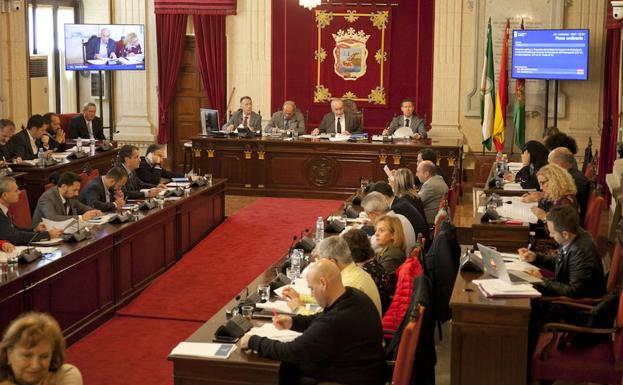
(339, 125)
(67, 207)
(90, 127)
(245, 121)
(406, 122)
(287, 125)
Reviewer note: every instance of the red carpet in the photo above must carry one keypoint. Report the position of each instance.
(228, 259)
(130, 351)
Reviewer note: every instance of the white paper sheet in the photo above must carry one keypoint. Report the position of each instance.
(203, 349)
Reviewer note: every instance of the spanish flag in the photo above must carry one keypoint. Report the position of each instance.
(501, 99)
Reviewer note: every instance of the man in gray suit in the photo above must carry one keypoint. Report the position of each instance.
(408, 119)
(337, 121)
(59, 203)
(244, 117)
(433, 189)
(287, 120)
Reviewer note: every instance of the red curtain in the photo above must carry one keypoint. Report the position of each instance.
(170, 31)
(211, 55)
(607, 150)
(195, 7)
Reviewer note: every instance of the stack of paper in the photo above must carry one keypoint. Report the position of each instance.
(269, 330)
(300, 285)
(203, 350)
(514, 167)
(339, 138)
(279, 306)
(514, 208)
(102, 220)
(496, 288)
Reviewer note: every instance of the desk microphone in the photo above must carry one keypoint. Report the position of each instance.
(79, 235)
(30, 253)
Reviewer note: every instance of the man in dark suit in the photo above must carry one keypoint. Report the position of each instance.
(86, 125)
(54, 138)
(245, 117)
(287, 120)
(24, 143)
(59, 203)
(9, 194)
(338, 121)
(102, 47)
(150, 170)
(7, 130)
(104, 193)
(135, 188)
(408, 119)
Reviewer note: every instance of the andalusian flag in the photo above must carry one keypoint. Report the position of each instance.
(487, 92)
(502, 97)
(519, 115)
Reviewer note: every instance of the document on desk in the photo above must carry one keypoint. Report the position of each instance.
(514, 208)
(269, 330)
(514, 167)
(101, 220)
(279, 306)
(496, 288)
(203, 350)
(511, 186)
(300, 285)
(50, 242)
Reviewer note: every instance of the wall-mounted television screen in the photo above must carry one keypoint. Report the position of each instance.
(558, 54)
(93, 47)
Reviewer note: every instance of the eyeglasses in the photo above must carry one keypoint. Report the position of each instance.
(543, 181)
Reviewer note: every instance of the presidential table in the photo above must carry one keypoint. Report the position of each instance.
(316, 168)
(83, 284)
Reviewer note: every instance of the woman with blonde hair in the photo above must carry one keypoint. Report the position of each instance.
(32, 351)
(558, 189)
(131, 45)
(403, 184)
(390, 239)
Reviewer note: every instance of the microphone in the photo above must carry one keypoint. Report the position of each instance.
(31, 253)
(79, 235)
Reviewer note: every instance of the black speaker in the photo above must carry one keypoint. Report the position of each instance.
(236, 327)
(121, 218)
(279, 281)
(351, 212)
(471, 262)
(335, 226)
(147, 204)
(29, 255)
(77, 155)
(306, 243)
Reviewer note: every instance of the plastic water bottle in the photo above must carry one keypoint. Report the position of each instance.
(319, 230)
(92, 147)
(41, 157)
(295, 262)
(79, 144)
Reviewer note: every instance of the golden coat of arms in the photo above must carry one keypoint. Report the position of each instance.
(350, 54)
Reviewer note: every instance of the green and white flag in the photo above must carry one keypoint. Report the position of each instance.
(487, 93)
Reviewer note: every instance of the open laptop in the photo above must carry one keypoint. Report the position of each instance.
(495, 266)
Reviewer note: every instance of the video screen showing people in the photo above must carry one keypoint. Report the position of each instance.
(105, 47)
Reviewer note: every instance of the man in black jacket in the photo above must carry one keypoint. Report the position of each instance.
(24, 143)
(7, 130)
(135, 188)
(342, 344)
(104, 193)
(86, 125)
(54, 138)
(577, 266)
(9, 194)
(150, 170)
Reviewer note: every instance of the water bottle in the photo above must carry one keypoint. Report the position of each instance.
(295, 262)
(79, 144)
(41, 157)
(319, 230)
(532, 241)
(92, 147)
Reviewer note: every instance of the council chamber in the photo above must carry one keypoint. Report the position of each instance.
(311, 192)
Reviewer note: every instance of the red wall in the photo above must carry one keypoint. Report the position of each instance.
(411, 60)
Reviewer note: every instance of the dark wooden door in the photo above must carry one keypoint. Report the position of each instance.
(189, 99)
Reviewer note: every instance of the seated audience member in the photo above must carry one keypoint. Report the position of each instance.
(433, 189)
(343, 344)
(577, 266)
(364, 257)
(150, 169)
(551, 131)
(558, 190)
(24, 143)
(9, 194)
(336, 249)
(60, 202)
(338, 121)
(563, 157)
(102, 47)
(134, 188)
(7, 129)
(561, 139)
(245, 117)
(533, 157)
(403, 185)
(54, 138)
(408, 119)
(32, 351)
(403, 207)
(287, 120)
(104, 193)
(131, 46)
(86, 125)
(389, 237)
(375, 206)
(430, 154)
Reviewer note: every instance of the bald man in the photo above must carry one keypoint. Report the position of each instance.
(342, 344)
(433, 189)
(338, 121)
(102, 47)
(563, 157)
(287, 120)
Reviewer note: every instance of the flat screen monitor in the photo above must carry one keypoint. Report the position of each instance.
(557, 54)
(105, 47)
(209, 120)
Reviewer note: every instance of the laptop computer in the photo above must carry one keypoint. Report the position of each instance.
(494, 265)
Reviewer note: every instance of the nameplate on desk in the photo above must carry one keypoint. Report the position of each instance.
(203, 350)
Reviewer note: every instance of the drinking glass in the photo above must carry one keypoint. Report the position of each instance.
(160, 202)
(247, 312)
(208, 179)
(264, 292)
(291, 274)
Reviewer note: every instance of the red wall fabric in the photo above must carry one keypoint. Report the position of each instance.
(211, 56)
(195, 7)
(411, 57)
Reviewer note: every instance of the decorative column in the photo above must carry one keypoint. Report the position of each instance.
(447, 69)
(14, 96)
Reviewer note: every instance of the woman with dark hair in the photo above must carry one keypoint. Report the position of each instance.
(533, 157)
(363, 255)
(561, 139)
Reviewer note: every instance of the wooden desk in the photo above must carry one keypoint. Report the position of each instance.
(311, 167)
(83, 284)
(507, 238)
(37, 177)
(489, 337)
(499, 191)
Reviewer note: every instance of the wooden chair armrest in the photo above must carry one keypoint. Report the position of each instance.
(574, 305)
(556, 326)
